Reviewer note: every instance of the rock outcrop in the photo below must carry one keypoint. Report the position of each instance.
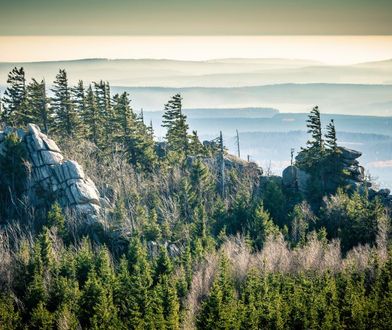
(297, 179)
(53, 177)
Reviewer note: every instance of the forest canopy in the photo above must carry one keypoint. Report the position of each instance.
(192, 237)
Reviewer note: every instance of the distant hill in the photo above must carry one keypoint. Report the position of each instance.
(213, 73)
(284, 84)
(349, 99)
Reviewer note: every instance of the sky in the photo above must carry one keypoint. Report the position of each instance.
(196, 17)
(335, 50)
(330, 31)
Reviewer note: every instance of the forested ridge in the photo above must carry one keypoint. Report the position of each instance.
(184, 241)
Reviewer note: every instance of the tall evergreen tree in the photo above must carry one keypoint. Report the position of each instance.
(105, 110)
(66, 119)
(314, 128)
(79, 97)
(175, 123)
(38, 104)
(330, 137)
(91, 118)
(15, 111)
(134, 135)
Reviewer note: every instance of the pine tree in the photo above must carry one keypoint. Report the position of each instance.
(41, 318)
(15, 110)
(105, 110)
(175, 123)
(91, 119)
(46, 248)
(170, 304)
(134, 135)
(97, 308)
(164, 265)
(220, 310)
(330, 137)
(66, 119)
(195, 146)
(78, 97)
(38, 104)
(314, 128)
(9, 316)
(56, 218)
(13, 173)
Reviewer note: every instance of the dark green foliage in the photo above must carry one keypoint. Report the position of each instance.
(274, 202)
(38, 105)
(355, 220)
(261, 226)
(13, 174)
(221, 309)
(91, 119)
(66, 120)
(57, 219)
(15, 110)
(330, 137)
(9, 315)
(133, 135)
(152, 260)
(175, 123)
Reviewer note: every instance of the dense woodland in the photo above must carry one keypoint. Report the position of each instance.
(181, 246)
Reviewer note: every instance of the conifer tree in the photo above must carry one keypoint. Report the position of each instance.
(330, 137)
(175, 123)
(13, 172)
(66, 119)
(38, 104)
(314, 128)
(170, 304)
(195, 146)
(220, 310)
(78, 96)
(134, 136)
(164, 265)
(105, 110)
(91, 118)
(15, 110)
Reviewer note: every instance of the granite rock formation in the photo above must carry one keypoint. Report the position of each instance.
(297, 179)
(53, 177)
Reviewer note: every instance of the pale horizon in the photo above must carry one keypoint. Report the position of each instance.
(331, 50)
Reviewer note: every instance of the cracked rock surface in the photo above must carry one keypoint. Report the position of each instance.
(54, 176)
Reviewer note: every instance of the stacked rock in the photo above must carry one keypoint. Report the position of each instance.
(54, 177)
(298, 180)
(351, 164)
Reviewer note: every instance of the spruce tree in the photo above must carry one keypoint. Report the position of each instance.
(15, 110)
(13, 173)
(134, 136)
(66, 119)
(105, 110)
(38, 104)
(78, 96)
(91, 119)
(330, 137)
(175, 123)
(314, 128)
(195, 146)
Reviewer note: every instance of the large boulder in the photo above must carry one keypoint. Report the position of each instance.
(53, 177)
(295, 178)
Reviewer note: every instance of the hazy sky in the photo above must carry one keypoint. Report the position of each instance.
(327, 49)
(37, 30)
(195, 17)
